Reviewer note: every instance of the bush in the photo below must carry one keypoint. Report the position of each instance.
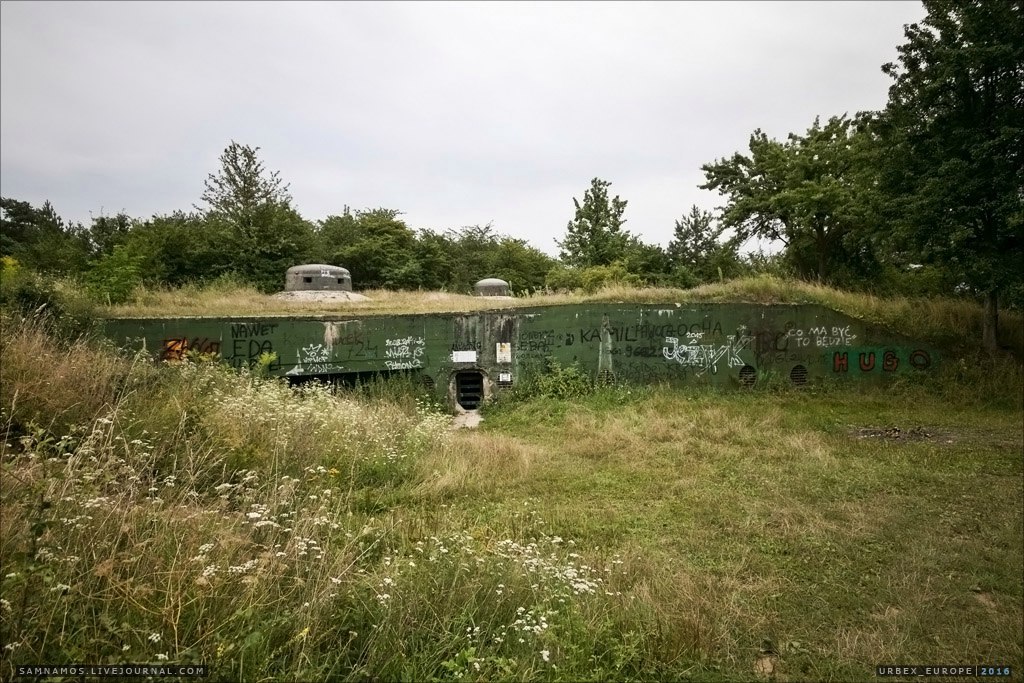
(60, 306)
(590, 279)
(115, 276)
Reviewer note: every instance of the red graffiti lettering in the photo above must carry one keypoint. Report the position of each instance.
(890, 361)
(840, 362)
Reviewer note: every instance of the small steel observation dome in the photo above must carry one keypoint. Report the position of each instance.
(491, 286)
(317, 277)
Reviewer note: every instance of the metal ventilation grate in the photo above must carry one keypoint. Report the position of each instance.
(748, 375)
(798, 375)
(469, 389)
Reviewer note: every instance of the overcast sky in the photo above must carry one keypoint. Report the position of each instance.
(456, 114)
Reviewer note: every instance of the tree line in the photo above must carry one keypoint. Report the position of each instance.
(922, 197)
(247, 229)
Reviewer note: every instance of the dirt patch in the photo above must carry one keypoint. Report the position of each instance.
(467, 420)
(985, 599)
(905, 434)
(764, 666)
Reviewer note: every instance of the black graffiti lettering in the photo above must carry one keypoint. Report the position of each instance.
(247, 352)
(350, 338)
(247, 330)
(537, 343)
(361, 350)
(644, 351)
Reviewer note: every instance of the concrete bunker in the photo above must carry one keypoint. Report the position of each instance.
(492, 286)
(317, 277)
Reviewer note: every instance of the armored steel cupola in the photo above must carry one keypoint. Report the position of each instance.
(317, 277)
(491, 286)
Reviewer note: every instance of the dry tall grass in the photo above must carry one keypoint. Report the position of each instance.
(191, 513)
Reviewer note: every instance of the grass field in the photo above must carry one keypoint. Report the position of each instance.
(187, 514)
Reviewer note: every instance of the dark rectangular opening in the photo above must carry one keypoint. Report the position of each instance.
(469, 389)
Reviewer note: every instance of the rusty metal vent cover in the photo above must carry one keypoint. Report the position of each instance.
(605, 378)
(748, 376)
(428, 382)
(798, 375)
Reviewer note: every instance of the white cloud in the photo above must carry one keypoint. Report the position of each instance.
(455, 113)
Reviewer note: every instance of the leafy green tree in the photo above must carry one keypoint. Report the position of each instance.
(474, 246)
(107, 232)
(242, 187)
(186, 248)
(805, 192)
(649, 262)
(278, 239)
(595, 236)
(480, 252)
(114, 276)
(953, 130)
(40, 240)
(695, 238)
(376, 246)
(698, 253)
(333, 234)
(524, 267)
(254, 208)
(438, 258)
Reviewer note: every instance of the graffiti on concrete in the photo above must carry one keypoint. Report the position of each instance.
(249, 341)
(821, 337)
(314, 359)
(405, 353)
(705, 357)
(867, 361)
(176, 349)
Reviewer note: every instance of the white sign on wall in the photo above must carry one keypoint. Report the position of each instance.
(504, 353)
(463, 356)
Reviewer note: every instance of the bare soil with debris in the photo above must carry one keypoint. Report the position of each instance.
(467, 420)
(899, 434)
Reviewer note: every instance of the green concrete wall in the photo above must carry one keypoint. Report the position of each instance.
(723, 345)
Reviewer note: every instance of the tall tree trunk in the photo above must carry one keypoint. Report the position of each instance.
(989, 336)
